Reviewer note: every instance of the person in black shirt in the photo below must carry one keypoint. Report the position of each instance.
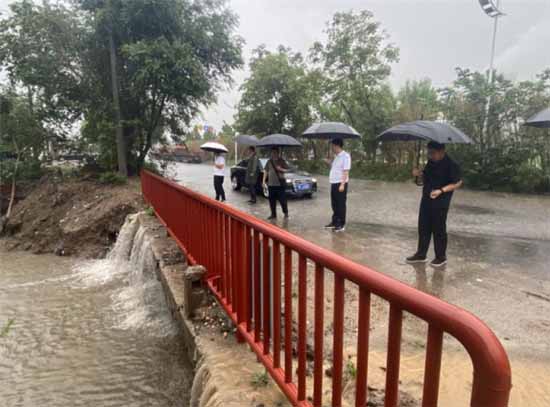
(441, 177)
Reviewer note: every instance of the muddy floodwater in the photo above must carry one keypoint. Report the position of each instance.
(499, 267)
(87, 334)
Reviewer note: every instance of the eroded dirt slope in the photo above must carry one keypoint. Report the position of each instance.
(71, 217)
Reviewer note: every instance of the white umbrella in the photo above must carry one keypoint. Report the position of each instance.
(214, 147)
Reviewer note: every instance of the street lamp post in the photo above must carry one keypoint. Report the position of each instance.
(492, 9)
(493, 47)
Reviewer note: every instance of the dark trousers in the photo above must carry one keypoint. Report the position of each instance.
(277, 194)
(218, 186)
(252, 189)
(432, 221)
(338, 201)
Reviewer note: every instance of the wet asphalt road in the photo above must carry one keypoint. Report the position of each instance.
(499, 247)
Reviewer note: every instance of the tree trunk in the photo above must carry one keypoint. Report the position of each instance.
(13, 186)
(5, 219)
(120, 141)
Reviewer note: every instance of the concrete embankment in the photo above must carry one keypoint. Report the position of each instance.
(226, 373)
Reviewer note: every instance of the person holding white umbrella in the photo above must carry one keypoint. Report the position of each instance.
(219, 176)
(219, 167)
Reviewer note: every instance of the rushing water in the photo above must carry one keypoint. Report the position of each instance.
(94, 333)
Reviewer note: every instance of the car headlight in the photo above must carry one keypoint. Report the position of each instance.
(289, 181)
(314, 180)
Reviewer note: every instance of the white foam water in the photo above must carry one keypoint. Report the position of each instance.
(138, 299)
(141, 304)
(125, 240)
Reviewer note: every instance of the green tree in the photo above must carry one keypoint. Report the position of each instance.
(39, 51)
(276, 97)
(21, 142)
(416, 100)
(507, 155)
(356, 61)
(172, 56)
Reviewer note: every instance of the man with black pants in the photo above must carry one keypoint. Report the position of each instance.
(275, 181)
(441, 177)
(252, 173)
(339, 178)
(219, 175)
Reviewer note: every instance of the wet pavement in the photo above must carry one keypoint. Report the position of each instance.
(499, 256)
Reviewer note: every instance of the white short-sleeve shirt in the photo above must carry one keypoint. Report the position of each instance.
(341, 163)
(220, 160)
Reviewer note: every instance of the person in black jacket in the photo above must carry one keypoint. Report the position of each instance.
(252, 173)
(440, 178)
(274, 178)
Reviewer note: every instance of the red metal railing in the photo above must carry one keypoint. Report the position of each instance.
(250, 267)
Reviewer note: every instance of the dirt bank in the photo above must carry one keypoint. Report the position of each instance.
(74, 217)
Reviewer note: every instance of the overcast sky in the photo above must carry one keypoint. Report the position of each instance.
(434, 36)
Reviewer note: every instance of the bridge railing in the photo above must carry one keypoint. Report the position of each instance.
(251, 269)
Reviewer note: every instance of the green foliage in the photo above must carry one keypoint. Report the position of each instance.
(172, 57)
(506, 156)
(511, 167)
(153, 167)
(276, 97)
(6, 329)
(350, 371)
(417, 100)
(22, 139)
(259, 380)
(362, 169)
(112, 178)
(380, 171)
(317, 167)
(356, 62)
(150, 211)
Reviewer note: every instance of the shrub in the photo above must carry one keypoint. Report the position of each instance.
(153, 167)
(259, 380)
(112, 178)
(6, 328)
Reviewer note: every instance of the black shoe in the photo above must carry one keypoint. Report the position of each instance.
(250, 201)
(438, 262)
(339, 229)
(272, 217)
(330, 226)
(416, 259)
(286, 215)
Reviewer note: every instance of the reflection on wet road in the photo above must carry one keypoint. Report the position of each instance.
(499, 249)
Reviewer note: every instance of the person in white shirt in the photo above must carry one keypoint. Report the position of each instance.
(219, 174)
(339, 178)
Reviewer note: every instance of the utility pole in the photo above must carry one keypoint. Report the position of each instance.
(120, 141)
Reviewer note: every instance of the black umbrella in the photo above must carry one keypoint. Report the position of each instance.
(331, 130)
(540, 120)
(247, 140)
(441, 133)
(279, 140)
